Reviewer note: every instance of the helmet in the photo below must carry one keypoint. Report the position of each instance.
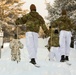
(32, 7)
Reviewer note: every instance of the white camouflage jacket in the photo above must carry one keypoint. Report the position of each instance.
(15, 45)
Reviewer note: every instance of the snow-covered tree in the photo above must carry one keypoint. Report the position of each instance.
(9, 11)
(55, 10)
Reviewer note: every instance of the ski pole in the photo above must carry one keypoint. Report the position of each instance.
(17, 39)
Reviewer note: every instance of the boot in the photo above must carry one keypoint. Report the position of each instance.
(62, 58)
(33, 61)
(67, 58)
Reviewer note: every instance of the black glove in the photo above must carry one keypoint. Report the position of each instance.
(56, 31)
(2, 46)
(49, 26)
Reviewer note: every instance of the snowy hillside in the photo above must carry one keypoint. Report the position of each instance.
(8, 67)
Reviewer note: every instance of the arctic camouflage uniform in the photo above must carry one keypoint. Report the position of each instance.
(65, 25)
(32, 21)
(15, 46)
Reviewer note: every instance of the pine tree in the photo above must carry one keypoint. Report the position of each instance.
(55, 11)
(9, 11)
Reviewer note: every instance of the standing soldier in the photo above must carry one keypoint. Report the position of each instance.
(33, 22)
(15, 46)
(65, 26)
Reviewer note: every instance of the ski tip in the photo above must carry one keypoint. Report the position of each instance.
(36, 65)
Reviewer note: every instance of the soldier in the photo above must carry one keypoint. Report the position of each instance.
(65, 26)
(15, 45)
(33, 22)
(54, 44)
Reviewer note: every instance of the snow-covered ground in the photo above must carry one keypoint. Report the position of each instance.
(8, 67)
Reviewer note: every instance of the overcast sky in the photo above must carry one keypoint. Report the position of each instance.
(40, 5)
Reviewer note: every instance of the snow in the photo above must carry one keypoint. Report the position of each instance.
(8, 67)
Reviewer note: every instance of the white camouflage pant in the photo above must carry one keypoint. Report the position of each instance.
(65, 41)
(32, 44)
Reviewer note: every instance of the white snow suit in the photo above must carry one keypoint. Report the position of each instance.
(55, 54)
(15, 45)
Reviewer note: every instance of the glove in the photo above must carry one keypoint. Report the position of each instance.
(56, 32)
(2, 46)
(49, 26)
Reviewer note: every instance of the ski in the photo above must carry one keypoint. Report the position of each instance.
(37, 66)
